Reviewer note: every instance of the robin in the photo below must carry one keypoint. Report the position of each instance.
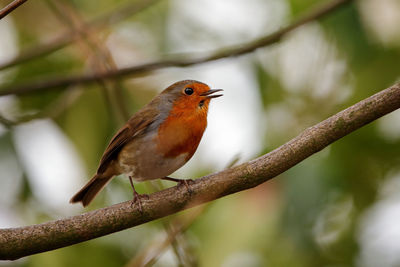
(156, 141)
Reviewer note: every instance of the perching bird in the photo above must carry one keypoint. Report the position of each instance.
(156, 141)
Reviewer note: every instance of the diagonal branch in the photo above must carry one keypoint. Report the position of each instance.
(53, 110)
(69, 37)
(152, 253)
(10, 7)
(23, 241)
(181, 61)
(101, 56)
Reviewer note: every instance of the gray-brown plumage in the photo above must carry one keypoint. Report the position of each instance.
(157, 140)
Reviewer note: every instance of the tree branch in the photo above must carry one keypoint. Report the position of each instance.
(10, 7)
(23, 241)
(53, 110)
(100, 55)
(181, 61)
(154, 251)
(67, 38)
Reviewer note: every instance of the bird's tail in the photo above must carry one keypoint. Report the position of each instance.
(90, 190)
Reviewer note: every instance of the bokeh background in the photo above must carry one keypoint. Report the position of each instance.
(340, 207)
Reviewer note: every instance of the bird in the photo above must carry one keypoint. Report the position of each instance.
(156, 141)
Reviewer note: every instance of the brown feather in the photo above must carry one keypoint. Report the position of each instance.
(90, 190)
(134, 127)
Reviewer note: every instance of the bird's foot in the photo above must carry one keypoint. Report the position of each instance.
(137, 197)
(185, 182)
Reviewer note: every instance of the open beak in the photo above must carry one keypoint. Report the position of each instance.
(209, 93)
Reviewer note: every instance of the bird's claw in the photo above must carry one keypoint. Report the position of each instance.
(137, 198)
(186, 183)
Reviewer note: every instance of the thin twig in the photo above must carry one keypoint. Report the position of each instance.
(180, 61)
(154, 251)
(6, 122)
(10, 7)
(149, 255)
(23, 241)
(69, 37)
(173, 228)
(53, 110)
(102, 58)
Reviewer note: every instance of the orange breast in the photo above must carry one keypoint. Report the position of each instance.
(181, 132)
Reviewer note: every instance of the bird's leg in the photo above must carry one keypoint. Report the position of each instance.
(180, 182)
(136, 196)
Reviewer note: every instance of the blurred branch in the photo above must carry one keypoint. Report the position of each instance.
(10, 7)
(53, 110)
(6, 122)
(175, 228)
(67, 38)
(181, 61)
(101, 56)
(23, 241)
(150, 255)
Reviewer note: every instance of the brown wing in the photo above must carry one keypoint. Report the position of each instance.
(134, 127)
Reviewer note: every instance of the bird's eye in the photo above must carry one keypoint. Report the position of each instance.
(189, 91)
